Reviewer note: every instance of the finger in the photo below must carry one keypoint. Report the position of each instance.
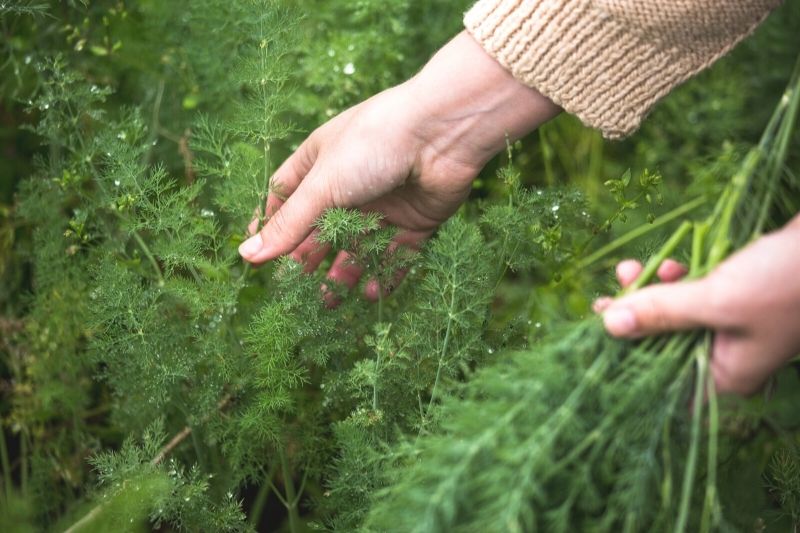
(671, 270)
(344, 270)
(252, 228)
(287, 178)
(373, 289)
(627, 271)
(602, 303)
(291, 224)
(310, 253)
(658, 309)
(406, 241)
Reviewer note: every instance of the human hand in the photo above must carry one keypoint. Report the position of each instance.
(751, 302)
(410, 153)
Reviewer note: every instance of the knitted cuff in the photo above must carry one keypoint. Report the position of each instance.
(586, 60)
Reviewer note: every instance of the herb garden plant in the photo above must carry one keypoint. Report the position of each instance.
(152, 381)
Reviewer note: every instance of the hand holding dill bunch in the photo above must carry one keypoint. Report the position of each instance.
(751, 301)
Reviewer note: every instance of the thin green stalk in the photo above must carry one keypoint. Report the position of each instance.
(698, 241)
(547, 157)
(378, 355)
(690, 471)
(779, 155)
(23, 452)
(150, 257)
(5, 463)
(258, 505)
(710, 506)
(441, 363)
(291, 500)
(655, 261)
(721, 243)
(641, 231)
(244, 274)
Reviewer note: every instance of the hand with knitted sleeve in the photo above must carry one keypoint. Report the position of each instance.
(410, 153)
(609, 61)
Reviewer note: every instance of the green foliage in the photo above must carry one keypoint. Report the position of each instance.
(147, 133)
(783, 478)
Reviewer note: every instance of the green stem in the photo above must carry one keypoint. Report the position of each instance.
(23, 452)
(150, 257)
(379, 351)
(442, 355)
(698, 241)
(640, 231)
(5, 464)
(778, 156)
(694, 446)
(245, 272)
(722, 242)
(258, 505)
(710, 507)
(655, 261)
(292, 498)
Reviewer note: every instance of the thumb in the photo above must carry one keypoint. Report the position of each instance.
(658, 309)
(288, 227)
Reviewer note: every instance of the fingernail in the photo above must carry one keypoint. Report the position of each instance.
(251, 246)
(620, 322)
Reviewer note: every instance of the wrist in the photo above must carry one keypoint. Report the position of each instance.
(467, 105)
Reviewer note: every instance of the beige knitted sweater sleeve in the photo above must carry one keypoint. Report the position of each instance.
(609, 61)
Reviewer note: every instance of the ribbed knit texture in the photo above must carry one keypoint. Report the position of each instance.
(610, 61)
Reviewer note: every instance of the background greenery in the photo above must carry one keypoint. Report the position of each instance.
(150, 380)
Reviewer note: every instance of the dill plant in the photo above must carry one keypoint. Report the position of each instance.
(140, 311)
(155, 382)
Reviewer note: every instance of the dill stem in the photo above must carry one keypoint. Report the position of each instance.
(5, 463)
(245, 272)
(710, 504)
(640, 231)
(778, 156)
(291, 498)
(261, 498)
(701, 358)
(378, 356)
(698, 241)
(722, 242)
(23, 447)
(155, 126)
(443, 353)
(150, 257)
(258, 505)
(655, 261)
